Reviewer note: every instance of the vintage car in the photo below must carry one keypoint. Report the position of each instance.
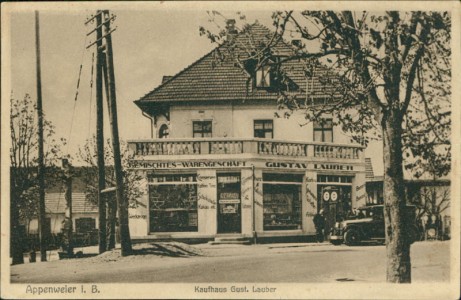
(368, 225)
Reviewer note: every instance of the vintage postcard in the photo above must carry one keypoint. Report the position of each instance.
(230, 150)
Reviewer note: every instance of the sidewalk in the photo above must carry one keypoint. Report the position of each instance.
(224, 249)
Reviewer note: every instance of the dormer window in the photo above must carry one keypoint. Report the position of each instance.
(263, 77)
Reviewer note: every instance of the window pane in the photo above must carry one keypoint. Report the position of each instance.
(328, 136)
(267, 78)
(317, 125)
(259, 134)
(202, 128)
(318, 136)
(282, 207)
(207, 126)
(263, 77)
(263, 128)
(197, 126)
(163, 131)
(173, 208)
(259, 78)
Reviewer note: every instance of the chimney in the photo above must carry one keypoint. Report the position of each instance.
(231, 31)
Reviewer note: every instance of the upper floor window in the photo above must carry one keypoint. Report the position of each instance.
(201, 128)
(264, 129)
(164, 132)
(263, 77)
(323, 131)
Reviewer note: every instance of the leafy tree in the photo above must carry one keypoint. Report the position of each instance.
(131, 179)
(384, 74)
(24, 194)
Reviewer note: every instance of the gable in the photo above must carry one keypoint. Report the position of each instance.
(216, 79)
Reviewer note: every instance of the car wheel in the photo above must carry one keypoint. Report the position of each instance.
(336, 242)
(352, 237)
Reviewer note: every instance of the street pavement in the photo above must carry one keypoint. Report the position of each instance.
(204, 263)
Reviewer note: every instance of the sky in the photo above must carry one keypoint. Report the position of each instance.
(147, 45)
(149, 42)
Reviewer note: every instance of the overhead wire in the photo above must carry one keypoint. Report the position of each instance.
(76, 97)
(69, 134)
(91, 95)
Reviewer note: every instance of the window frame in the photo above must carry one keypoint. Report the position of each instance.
(266, 76)
(173, 179)
(161, 131)
(319, 126)
(281, 182)
(202, 132)
(85, 222)
(264, 129)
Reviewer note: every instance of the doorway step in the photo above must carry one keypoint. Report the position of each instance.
(230, 239)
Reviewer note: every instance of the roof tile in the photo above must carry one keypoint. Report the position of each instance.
(210, 79)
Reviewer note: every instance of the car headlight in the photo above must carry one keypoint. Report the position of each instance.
(338, 225)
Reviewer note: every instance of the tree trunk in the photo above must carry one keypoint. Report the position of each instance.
(67, 245)
(16, 238)
(397, 245)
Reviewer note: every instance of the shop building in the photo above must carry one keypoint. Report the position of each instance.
(220, 160)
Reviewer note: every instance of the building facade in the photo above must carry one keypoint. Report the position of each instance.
(223, 160)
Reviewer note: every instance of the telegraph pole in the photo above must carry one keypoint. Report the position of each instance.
(109, 193)
(41, 168)
(105, 56)
(125, 239)
(100, 138)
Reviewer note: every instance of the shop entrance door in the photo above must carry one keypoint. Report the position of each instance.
(335, 200)
(229, 203)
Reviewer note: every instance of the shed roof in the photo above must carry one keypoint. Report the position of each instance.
(55, 203)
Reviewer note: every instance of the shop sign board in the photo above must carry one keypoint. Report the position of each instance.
(229, 195)
(229, 201)
(139, 164)
(229, 209)
(337, 167)
(186, 164)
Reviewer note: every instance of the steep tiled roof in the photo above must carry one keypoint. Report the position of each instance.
(55, 203)
(212, 79)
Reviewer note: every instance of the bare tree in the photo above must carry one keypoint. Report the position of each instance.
(131, 178)
(386, 73)
(23, 166)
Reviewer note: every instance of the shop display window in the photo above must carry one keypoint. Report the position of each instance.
(173, 203)
(282, 201)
